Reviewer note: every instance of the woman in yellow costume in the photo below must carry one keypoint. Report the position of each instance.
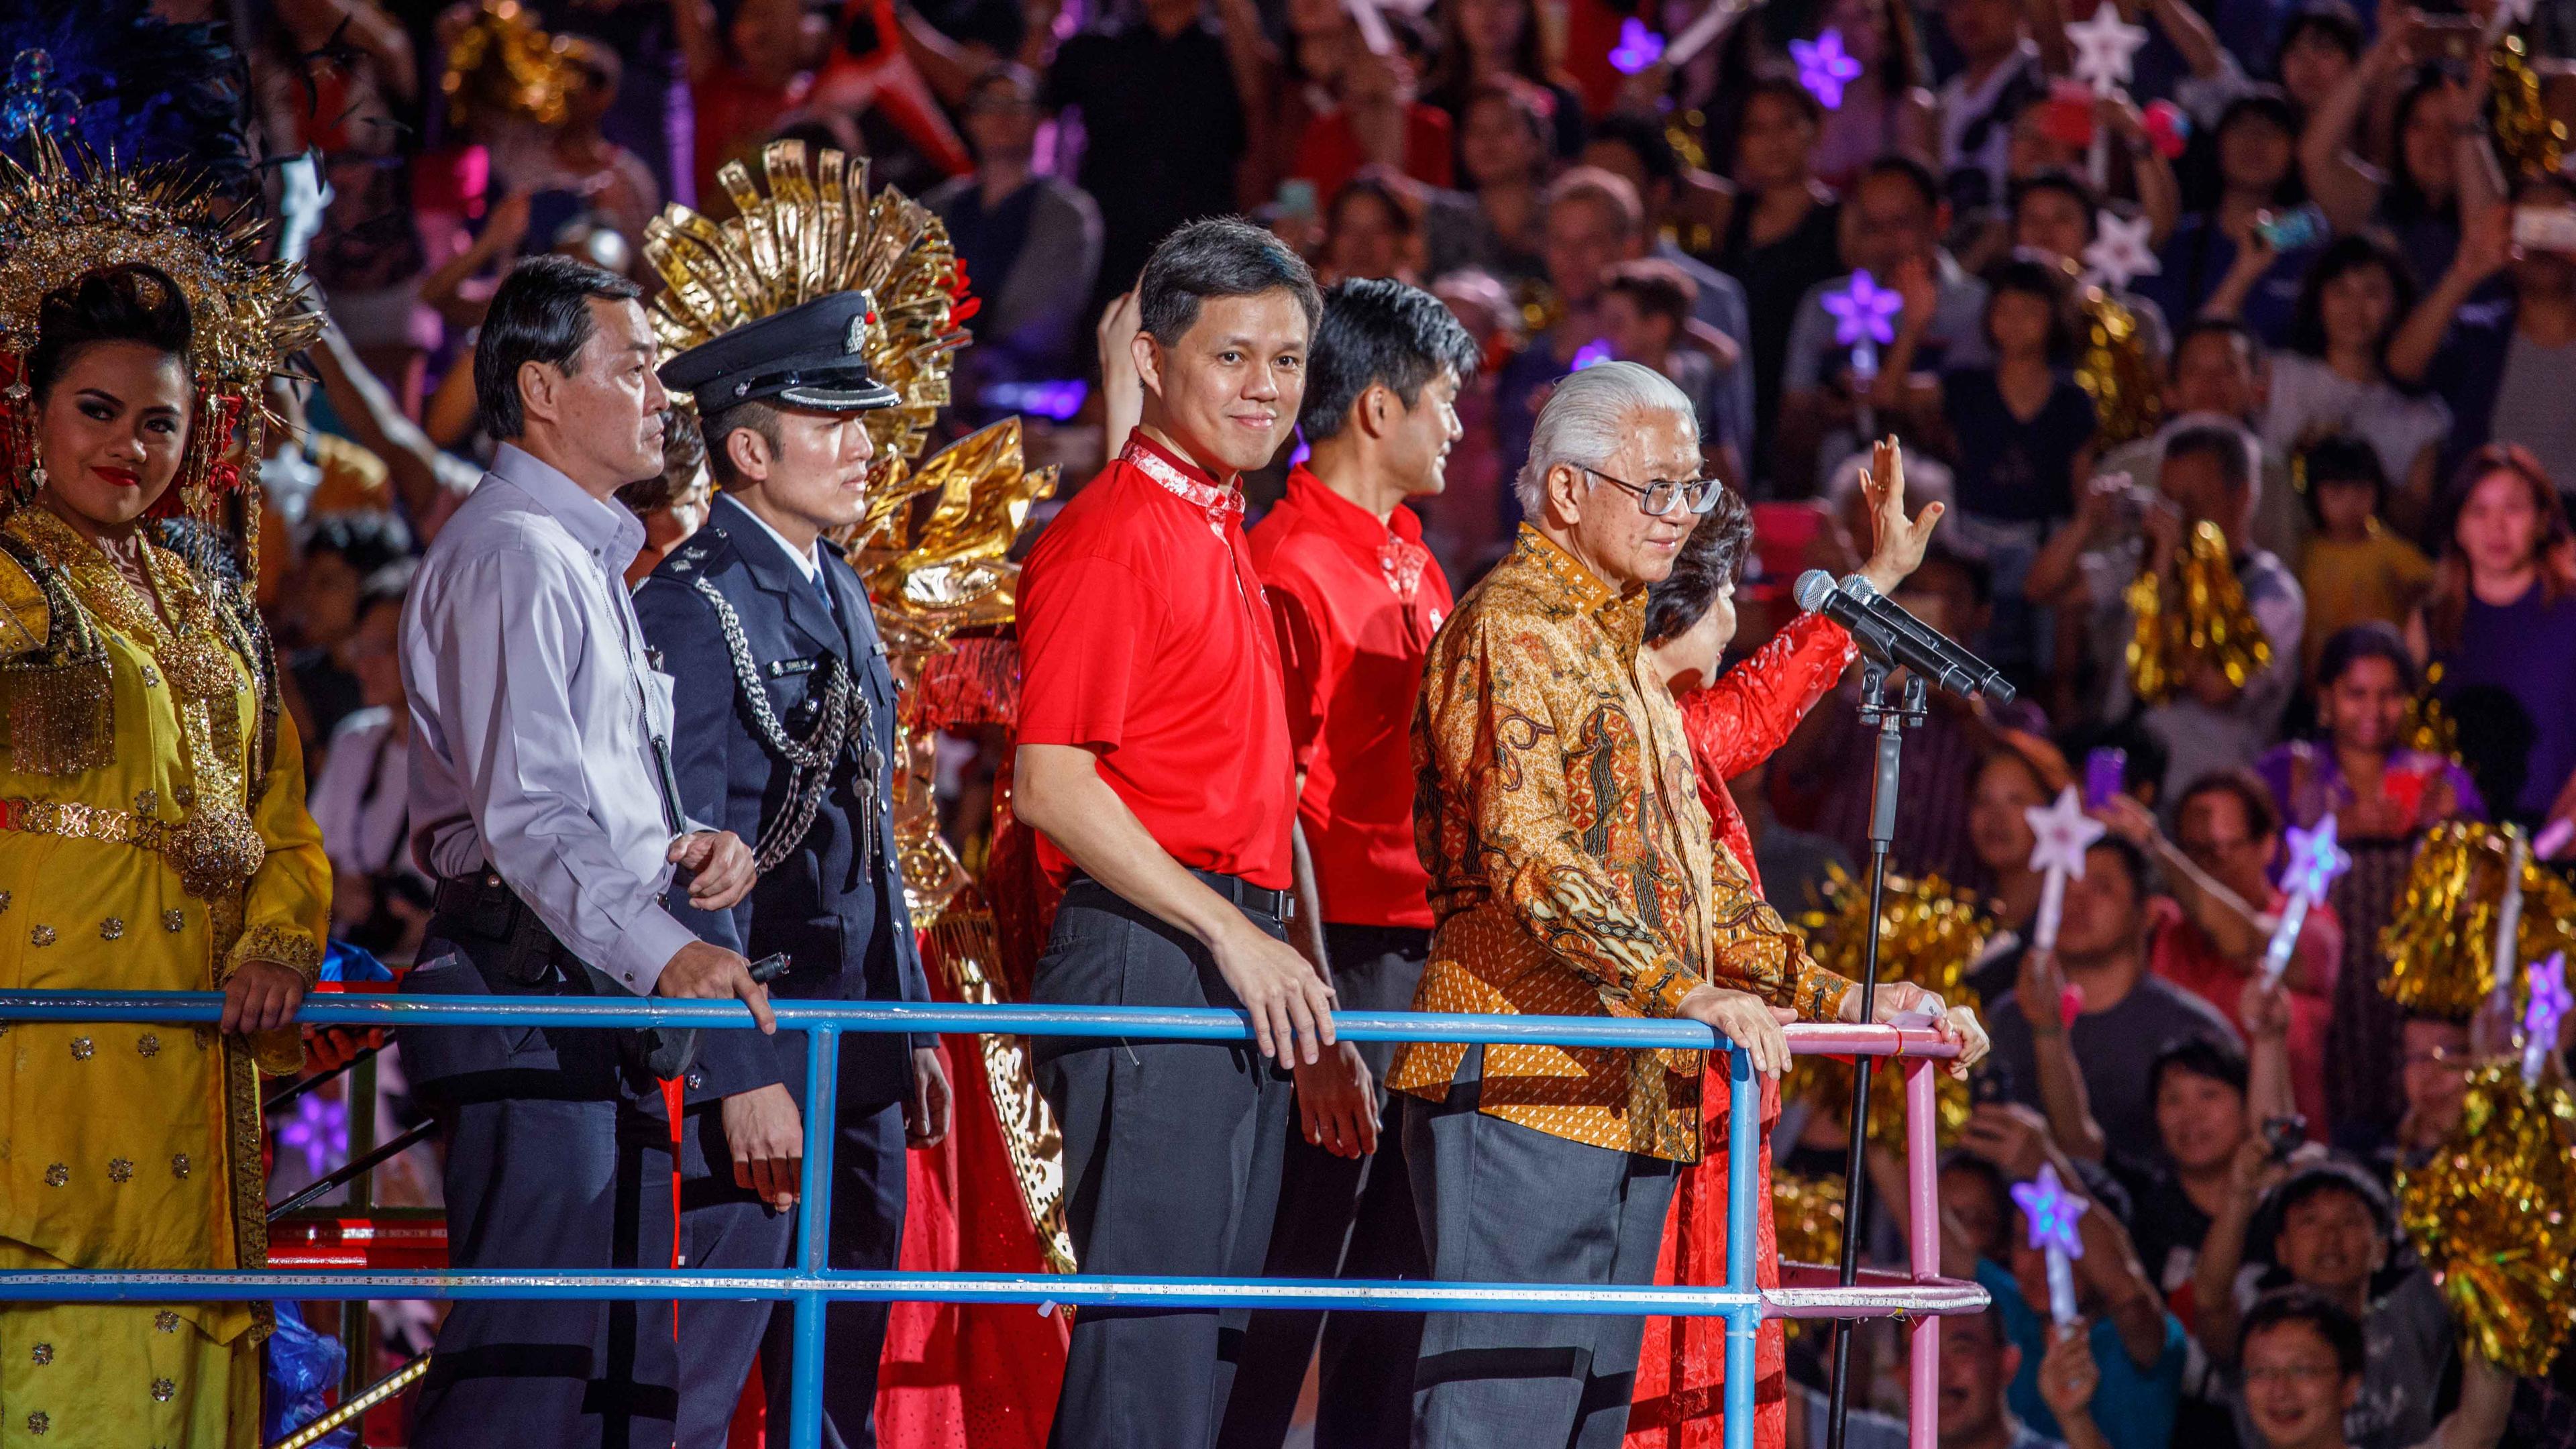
(153, 835)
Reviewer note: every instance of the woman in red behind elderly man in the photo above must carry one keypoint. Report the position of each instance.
(1735, 720)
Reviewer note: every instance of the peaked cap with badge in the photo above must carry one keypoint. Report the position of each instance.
(813, 355)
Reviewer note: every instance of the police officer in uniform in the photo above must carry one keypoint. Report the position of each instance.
(784, 732)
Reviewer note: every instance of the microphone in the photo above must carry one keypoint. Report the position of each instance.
(1895, 637)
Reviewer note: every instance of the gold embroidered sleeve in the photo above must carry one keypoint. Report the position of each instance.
(1756, 951)
(286, 910)
(296, 950)
(1500, 740)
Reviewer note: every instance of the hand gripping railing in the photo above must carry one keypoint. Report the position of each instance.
(1920, 1295)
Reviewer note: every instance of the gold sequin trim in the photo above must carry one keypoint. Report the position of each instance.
(149, 1045)
(214, 851)
(120, 1169)
(174, 921)
(111, 929)
(166, 1321)
(41, 936)
(82, 1047)
(296, 950)
(57, 1175)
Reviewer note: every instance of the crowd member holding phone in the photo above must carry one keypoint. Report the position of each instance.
(2508, 364)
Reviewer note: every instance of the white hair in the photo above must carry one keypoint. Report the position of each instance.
(1589, 417)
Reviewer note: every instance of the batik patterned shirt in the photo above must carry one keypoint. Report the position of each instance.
(1573, 872)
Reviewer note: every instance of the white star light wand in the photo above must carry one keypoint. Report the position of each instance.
(2315, 860)
(2060, 834)
(2106, 48)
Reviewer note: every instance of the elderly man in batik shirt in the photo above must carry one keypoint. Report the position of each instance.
(1574, 872)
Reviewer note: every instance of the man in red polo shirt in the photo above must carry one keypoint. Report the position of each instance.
(1357, 598)
(1154, 762)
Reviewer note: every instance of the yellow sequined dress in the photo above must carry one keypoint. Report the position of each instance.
(153, 837)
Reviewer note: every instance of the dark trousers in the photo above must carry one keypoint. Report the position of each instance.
(1171, 1154)
(559, 1157)
(867, 1232)
(1342, 1217)
(1503, 1203)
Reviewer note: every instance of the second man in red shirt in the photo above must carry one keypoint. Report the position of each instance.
(1357, 598)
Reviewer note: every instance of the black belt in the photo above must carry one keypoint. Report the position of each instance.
(1243, 894)
(537, 961)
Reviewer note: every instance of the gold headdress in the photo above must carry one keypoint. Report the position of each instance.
(2214, 623)
(502, 59)
(812, 233)
(932, 544)
(62, 218)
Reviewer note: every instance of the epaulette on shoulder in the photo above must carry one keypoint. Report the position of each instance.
(703, 551)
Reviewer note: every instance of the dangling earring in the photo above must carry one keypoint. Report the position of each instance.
(36, 478)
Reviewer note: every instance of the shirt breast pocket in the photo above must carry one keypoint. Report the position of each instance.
(659, 710)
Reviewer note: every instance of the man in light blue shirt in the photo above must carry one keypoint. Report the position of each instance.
(542, 804)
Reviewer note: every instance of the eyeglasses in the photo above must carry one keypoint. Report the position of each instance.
(1658, 497)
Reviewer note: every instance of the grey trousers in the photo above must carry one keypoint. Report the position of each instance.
(1171, 1157)
(1503, 1203)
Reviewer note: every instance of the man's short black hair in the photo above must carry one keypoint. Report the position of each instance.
(2224, 445)
(1644, 137)
(2066, 183)
(2145, 880)
(2332, 20)
(2330, 1320)
(1223, 256)
(1376, 332)
(365, 540)
(2253, 798)
(755, 417)
(1908, 170)
(2237, 335)
(2317, 1179)
(2202, 1056)
(540, 313)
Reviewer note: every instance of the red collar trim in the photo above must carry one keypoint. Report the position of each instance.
(1223, 503)
(1395, 544)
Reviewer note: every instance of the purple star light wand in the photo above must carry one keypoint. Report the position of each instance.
(1824, 67)
(2050, 1211)
(2549, 1006)
(2315, 860)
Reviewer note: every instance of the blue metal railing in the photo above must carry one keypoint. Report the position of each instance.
(813, 1282)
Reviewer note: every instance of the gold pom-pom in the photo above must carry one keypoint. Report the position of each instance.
(2116, 369)
(1807, 1213)
(1929, 934)
(2491, 1215)
(2440, 939)
(2214, 622)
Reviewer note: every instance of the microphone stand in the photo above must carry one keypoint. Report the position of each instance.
(1891, 723)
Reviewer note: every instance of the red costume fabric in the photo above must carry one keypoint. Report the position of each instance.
(1681, 1371)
